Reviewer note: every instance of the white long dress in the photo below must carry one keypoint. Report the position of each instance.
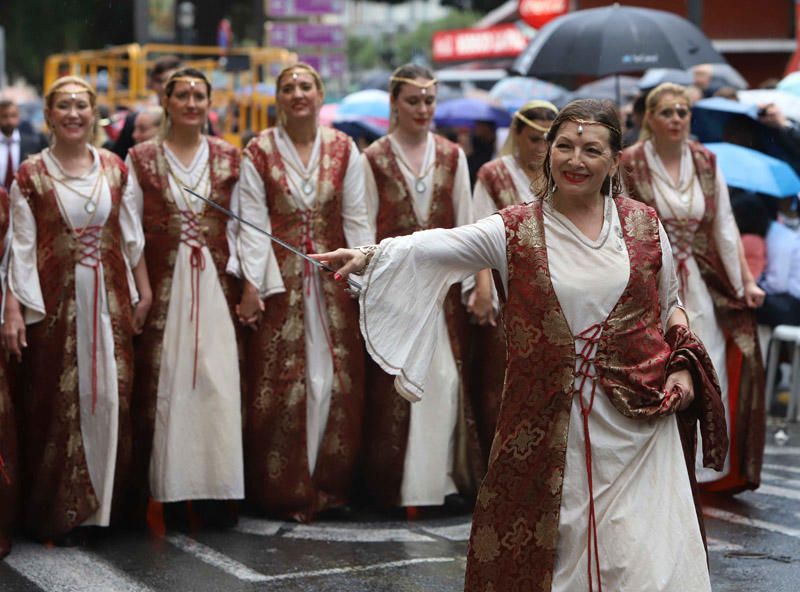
(260, 266)
(641, 486)
(671, 203)
(99, 429)
(483, 204)
(430, 452)
(197, 443)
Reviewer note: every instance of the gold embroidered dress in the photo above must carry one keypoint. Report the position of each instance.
(640, 480)
(197, 441)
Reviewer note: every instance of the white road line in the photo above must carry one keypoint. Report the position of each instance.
(792, 494)
(359, 535)
(752, 522)
(358, 568)
(258, 527)
(70, 570)
(458, 532)
(782, 450)
(718, 545)
(780, 479)
(215, 559)
(782, 468)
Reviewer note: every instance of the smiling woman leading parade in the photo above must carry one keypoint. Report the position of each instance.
(594, 447)
(68, 301)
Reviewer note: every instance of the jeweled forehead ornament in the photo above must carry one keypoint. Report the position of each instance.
(423, 86)
(582, 122)
(190, 80)
(73, 90)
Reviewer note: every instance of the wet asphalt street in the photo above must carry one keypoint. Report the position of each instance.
(754, 542)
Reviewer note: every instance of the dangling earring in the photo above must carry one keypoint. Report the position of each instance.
(610, 183)
(393, 119)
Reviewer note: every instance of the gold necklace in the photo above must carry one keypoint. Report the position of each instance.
(307, 187)
(180, 184)
(419, 180)
(90, 206)
(92, 214)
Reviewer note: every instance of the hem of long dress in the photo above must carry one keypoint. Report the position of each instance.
(408, 389)
(198, 496)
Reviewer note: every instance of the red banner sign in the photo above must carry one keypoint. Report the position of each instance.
(470, 44)
(538, 13)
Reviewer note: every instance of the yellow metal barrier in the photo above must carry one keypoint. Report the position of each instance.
(242, 96)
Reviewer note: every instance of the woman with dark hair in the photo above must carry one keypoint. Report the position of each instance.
(419, 455)
(304, 361)
(188, 412)
(505, 181)
(69, 313)
(680, 179)
(587, 461)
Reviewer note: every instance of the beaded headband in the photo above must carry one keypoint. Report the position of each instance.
(582, 122)
(72, 90)
(190, 80)
(424, 86)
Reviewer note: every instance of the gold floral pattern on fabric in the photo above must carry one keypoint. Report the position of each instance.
(387, 413)
(485, 544)
(161, 223)
(638, 225)
(735, 319)
(275, 358)
(499, 184)
(62, 496)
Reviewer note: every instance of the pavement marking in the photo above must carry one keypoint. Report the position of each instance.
(780, 479)
(215, 559)
(457, 532)
(258, 527)
(359, 535)
(782, 450)
(357, 568)
(782, 468)
(69, 570)
(719, 545)
(784, 492)
(752, 522)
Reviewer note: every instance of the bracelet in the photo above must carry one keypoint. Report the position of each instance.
(368, 251)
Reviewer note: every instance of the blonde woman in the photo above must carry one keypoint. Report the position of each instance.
(69, 312)
(305, 362)
(680, 179)
(419, 455)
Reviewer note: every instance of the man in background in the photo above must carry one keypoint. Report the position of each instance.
(15, 145)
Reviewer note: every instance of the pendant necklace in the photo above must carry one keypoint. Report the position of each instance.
(90, 205)
(307, 186)
(419, 180)
(181, 184)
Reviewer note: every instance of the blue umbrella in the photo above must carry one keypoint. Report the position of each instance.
(791, 83)
(364, 103)
(466, 112)
(755, 171)
(655, 76)
(514, 91)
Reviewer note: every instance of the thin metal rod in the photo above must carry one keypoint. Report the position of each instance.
(353, 284)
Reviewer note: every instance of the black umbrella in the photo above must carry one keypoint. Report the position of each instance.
(615, 39)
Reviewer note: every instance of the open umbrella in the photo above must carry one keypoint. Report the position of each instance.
(612, 40)
(514, 91)
(790, 84)
(608, 88)
(655, 76)
(465, 112)
(755, 171)
(786, 102)
(366, 106)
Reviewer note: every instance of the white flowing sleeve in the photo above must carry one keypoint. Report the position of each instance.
(462, 194)
(668, 285)
(355, 219)
(23, 275)
(482, 203)
(130, 218)
(726, 235)
(404, 289)
(233, 266)
(370, 193)
(257, 259)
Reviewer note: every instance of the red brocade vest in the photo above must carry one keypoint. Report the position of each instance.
(735, 319)
(9, 479)
(277, 478)
(515, 527)
(164, 228)
(499, 183)
(61, 495)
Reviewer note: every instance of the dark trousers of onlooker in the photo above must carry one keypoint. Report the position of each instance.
(779, 309)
